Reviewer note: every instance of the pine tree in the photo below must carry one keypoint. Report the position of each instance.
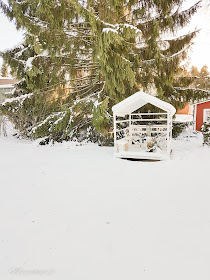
(197, 80)
(195, 84)
(203, 79)
(80, 58)
(4, 70)
(194, 71)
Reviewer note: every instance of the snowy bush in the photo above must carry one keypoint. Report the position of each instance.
(3, 130)
(205, 129)
(178, 128)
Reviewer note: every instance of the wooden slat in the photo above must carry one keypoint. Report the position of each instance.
(144, 120)
(122, 121)
(149, 114)
(122, 129)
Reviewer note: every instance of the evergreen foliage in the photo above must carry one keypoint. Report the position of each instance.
(79, 58)
(195, 85)
(205, 129)
(202, 80)
(178, 128)
(4, 70)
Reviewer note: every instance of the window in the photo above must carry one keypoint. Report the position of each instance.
(206, 115)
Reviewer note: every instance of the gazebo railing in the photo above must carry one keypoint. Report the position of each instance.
(140, 126)
(139, 134)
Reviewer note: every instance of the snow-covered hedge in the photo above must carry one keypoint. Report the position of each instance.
(205, 129)
(178, 128)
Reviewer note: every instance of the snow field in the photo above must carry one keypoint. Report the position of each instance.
(79, 213)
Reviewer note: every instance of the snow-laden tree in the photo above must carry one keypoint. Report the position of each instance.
(79, 58)
(4, 70)
(201, 79)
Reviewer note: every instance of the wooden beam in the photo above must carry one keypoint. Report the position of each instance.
(115, 134)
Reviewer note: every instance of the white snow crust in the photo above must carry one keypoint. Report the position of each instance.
(76, 212)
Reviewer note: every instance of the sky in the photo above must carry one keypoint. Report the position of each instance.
(199, 54)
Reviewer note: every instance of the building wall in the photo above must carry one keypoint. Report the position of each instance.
(184, 111)
(3, 93)
(199, 114)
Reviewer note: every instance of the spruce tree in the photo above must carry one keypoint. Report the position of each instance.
(202, 80)
(194, 71)
(4, 70)
(196, 85)
(80, 58)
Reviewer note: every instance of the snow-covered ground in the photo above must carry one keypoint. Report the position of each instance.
(76, 213)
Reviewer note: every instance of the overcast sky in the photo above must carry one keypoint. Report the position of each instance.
(199, 56)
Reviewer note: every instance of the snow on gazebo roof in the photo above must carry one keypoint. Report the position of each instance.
(138, 100)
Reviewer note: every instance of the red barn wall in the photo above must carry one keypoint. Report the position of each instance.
(199, 114)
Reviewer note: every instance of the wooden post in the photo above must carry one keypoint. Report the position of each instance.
(130, 140)
(169, 132)
(115, 134)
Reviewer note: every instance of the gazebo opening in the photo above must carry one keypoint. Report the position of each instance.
(140, 133)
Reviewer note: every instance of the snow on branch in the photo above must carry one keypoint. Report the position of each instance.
(21, 51)
(19, 99)
(116, 27)
(193, 89)
(108, 29)
(29, 61)
(175, 54)
(60, 116)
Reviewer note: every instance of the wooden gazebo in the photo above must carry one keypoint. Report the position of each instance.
(141, 135)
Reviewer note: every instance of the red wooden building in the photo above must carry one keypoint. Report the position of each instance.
(201, 113)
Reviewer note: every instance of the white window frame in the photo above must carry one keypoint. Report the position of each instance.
(206, 112)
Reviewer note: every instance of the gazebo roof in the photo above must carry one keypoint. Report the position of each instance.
(138, 100)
